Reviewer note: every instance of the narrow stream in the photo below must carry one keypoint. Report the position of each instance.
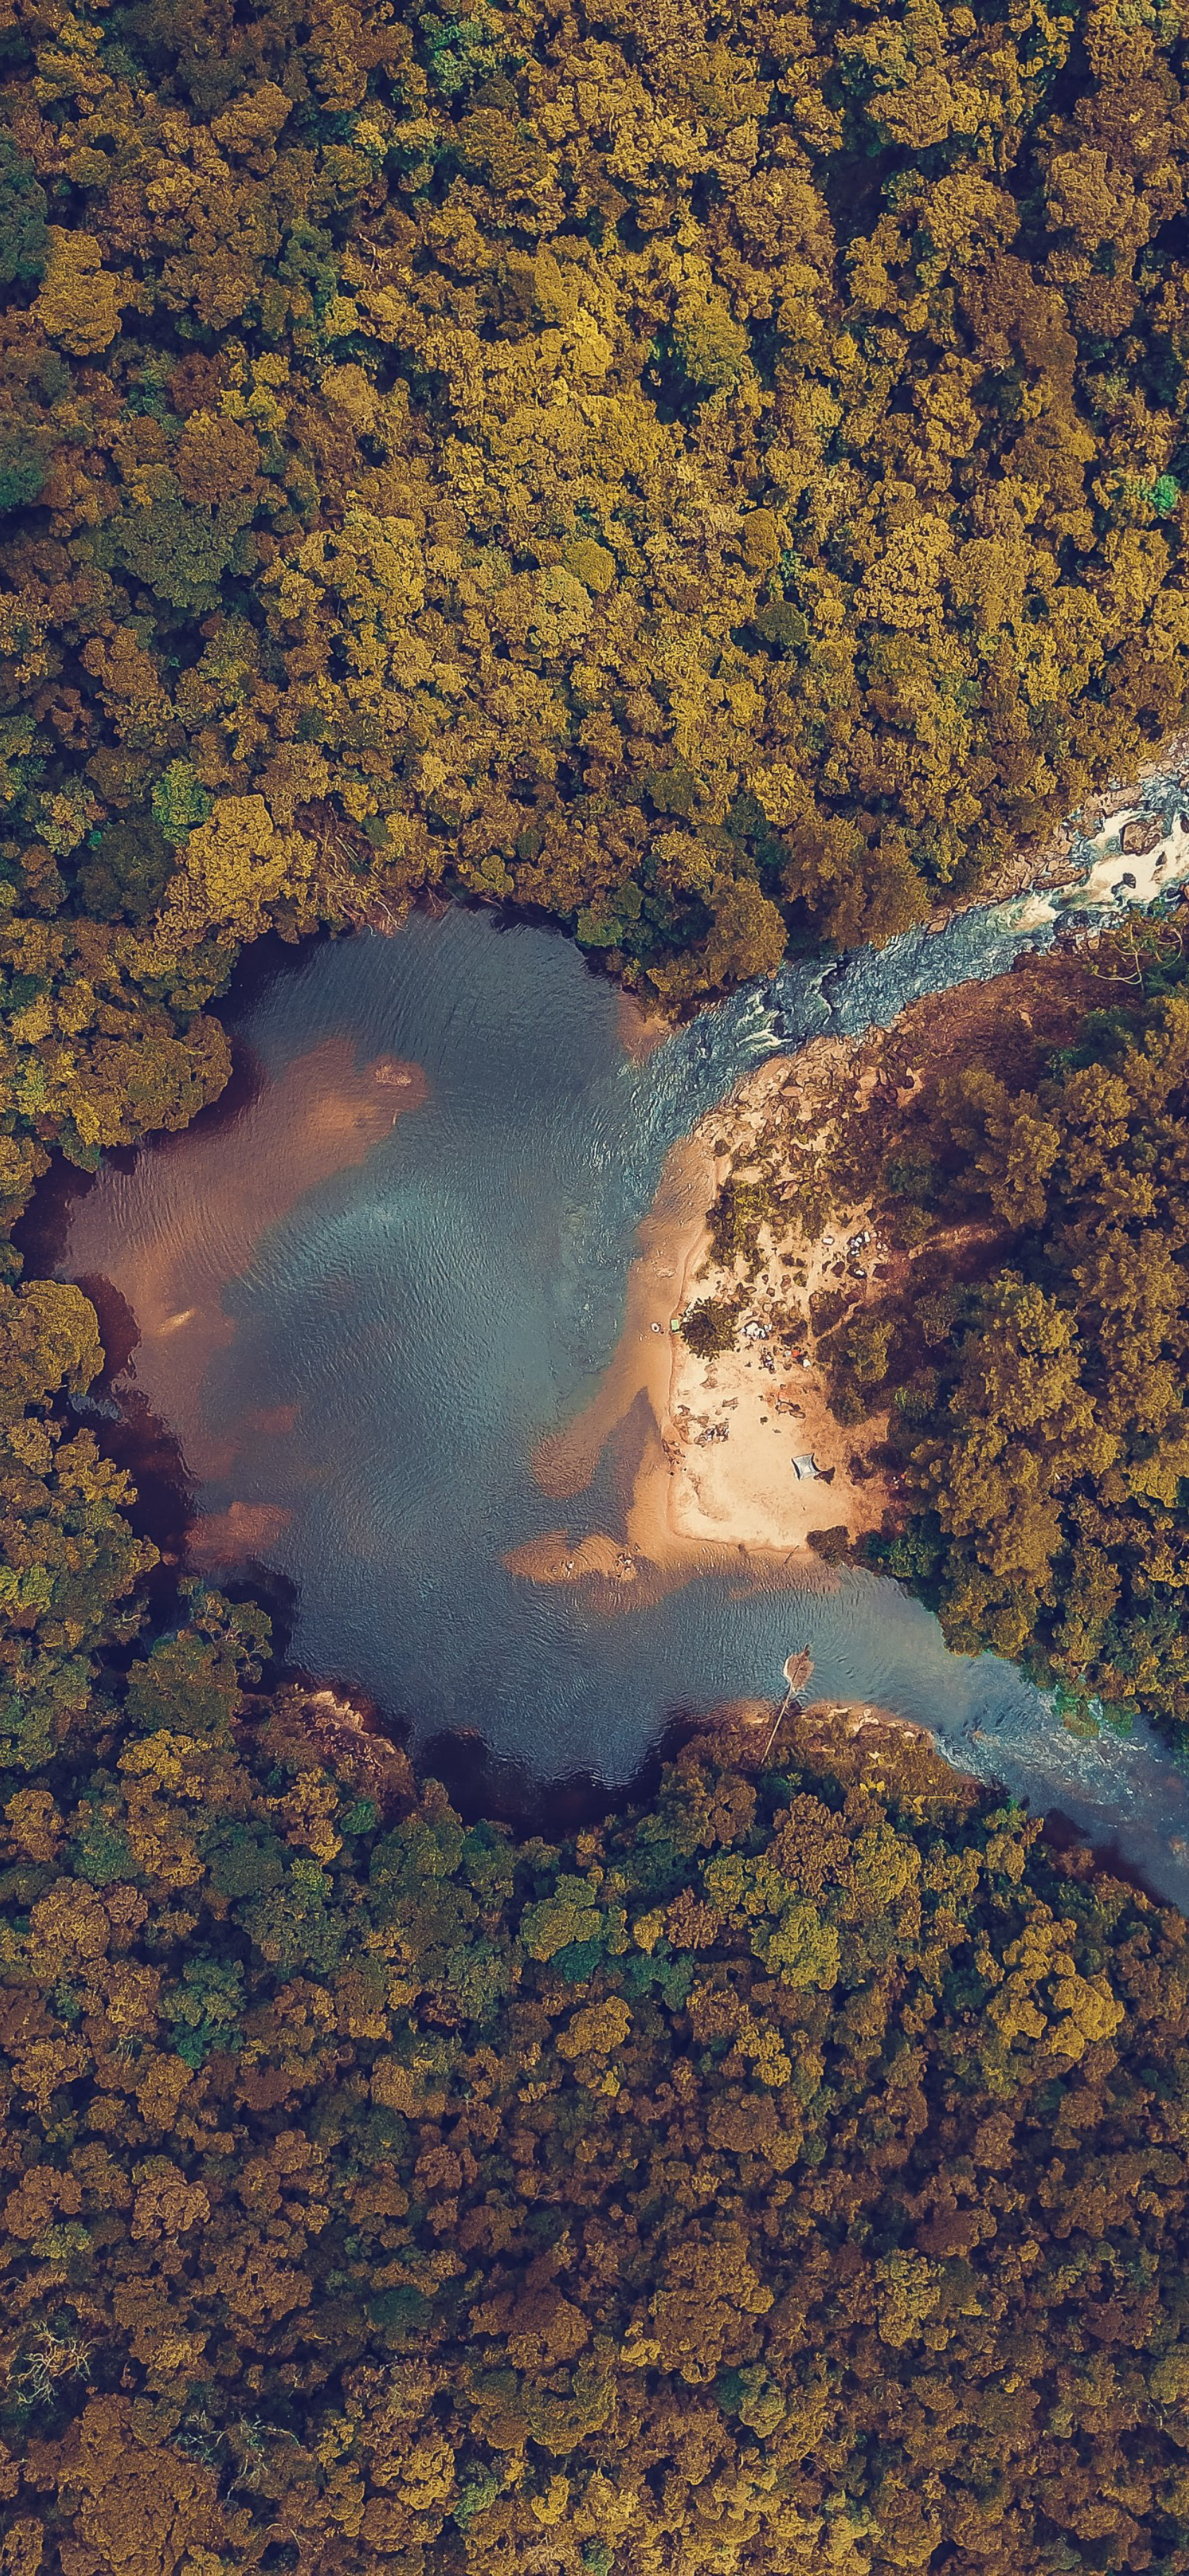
(362, 1300)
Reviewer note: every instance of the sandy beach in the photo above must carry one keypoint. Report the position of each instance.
(715, 1482)
(749, 1458)
(737, 1462)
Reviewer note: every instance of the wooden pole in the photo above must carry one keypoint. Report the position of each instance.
(776, 1724)
(798, 1669)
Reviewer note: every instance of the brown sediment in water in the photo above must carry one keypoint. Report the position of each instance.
(169, 1235)
(233, 1537)
(274, 1422)
(556, 1558)
(641, 1029)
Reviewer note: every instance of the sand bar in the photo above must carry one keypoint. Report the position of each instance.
(716, 1482)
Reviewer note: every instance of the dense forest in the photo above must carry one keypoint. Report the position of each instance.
(1047, 1430)
(790, 2174)
(1031, 1329)
(714, 478)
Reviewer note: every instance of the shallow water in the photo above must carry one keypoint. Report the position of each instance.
(359, 1330)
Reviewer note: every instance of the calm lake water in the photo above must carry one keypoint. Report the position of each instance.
(358, 1330)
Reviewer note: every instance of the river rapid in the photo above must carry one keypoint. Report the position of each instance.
(360, 1300)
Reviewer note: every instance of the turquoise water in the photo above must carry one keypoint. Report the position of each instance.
(391, 1348)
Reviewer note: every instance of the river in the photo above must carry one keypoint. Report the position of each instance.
(362, 1297)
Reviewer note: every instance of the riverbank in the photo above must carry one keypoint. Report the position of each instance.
(740, 1454)
(766, 1221)
(748, 1458)
(1058, 865)
(716, 1482)
(402, 1339)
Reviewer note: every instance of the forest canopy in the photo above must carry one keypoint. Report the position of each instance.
(1025, 1330)
(714, 477)
(1045, 1422)
(790, 2173)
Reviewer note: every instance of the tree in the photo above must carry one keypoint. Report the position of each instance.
(24, 238)
(77, 302)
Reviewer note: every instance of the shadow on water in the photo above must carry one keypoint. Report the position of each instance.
(481, 1782)
(161, 1506)
(42, 1229)
(1107, 1859)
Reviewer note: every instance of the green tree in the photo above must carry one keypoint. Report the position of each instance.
(24, 241)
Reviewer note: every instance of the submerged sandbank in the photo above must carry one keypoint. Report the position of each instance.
(229, 1184)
